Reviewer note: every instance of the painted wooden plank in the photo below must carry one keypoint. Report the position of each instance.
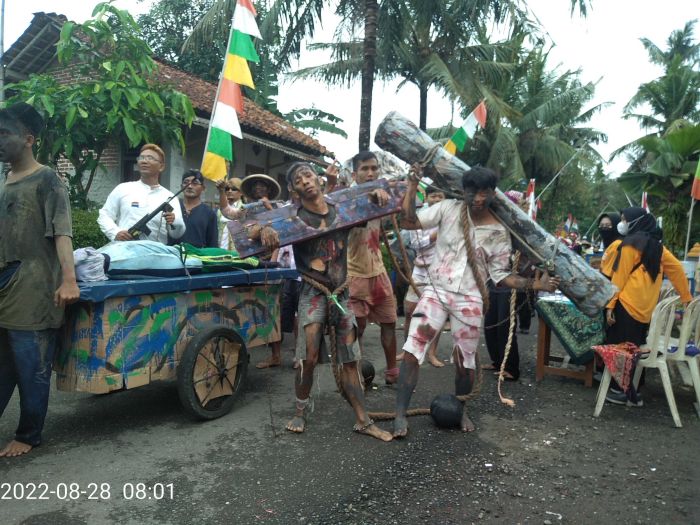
(353, 207)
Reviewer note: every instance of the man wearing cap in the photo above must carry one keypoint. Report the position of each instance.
(231, 190)
(37, 273)
(129, 202)
(255, 188)
(200, 220)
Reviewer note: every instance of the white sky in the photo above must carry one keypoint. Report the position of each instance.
(605, 46)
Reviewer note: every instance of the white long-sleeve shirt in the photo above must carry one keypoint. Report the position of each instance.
(129, 202)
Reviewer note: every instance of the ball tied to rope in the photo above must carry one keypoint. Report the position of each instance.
(446, 411)
(367, 370)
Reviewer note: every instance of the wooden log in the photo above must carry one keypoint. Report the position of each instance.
(589, 290)
(353, 207)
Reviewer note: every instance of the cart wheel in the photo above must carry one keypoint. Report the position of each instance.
(211, 372)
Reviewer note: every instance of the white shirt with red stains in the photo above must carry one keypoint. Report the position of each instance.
(449, 270)
(364, 251)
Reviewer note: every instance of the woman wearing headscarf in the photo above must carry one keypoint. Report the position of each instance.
(638, 263)
(607, 228)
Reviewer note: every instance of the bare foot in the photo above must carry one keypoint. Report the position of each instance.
(399, 357)
(467, 425)
(14, 449)
(506, 375)
(435, 361)
(297, 364)
(372, 430)
(488, 367)
(270, 362)
(400, 427)
(297, 424)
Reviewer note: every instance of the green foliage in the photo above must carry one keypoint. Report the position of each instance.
(670, 164)
(86, 232)
(166, 27)
(114, 96)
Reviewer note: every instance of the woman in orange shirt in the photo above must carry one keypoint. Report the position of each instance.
(639, 262)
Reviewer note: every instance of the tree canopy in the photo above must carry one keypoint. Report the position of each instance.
(114, 95)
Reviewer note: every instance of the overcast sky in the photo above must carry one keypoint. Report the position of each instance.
(605, 46)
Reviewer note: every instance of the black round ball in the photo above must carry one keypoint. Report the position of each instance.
(446, 411)
(367, 370)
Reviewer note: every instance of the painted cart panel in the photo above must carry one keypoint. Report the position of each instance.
(129, 341)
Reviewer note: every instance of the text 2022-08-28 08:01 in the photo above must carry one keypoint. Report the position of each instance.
(89, 491)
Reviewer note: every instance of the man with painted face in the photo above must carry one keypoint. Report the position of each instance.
(322, 262)
(37, 273)
(371, 294)
(472, 247)
(200, 220)
(129, 202)
(638, 261)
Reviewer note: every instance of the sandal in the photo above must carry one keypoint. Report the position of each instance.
(391, 376)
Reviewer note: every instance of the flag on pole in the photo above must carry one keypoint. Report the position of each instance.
(645, 203)
(695, 192)
(476, 119)
(531, 201)
(224, 124)
(568, 223)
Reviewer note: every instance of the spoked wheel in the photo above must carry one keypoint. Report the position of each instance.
(212, 372)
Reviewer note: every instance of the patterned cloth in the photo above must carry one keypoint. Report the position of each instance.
(576, 331)
(621, 360)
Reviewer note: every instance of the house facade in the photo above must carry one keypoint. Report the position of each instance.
(268, 146)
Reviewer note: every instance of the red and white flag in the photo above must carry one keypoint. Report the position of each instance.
(645, 204)
(530, 198)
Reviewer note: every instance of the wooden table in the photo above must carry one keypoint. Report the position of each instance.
(576, 332)
(544, 360)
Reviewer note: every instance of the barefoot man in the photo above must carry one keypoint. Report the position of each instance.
(37, 274)
(323, 261)
(463, 262)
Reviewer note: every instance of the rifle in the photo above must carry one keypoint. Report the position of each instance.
(142, 225)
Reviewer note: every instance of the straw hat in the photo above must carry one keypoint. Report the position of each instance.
(274, 189)
(235, 182)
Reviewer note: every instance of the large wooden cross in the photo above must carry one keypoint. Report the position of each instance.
(586, 287)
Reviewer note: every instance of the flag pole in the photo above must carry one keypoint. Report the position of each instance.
(218, 89)
(558, 173)
(690, 222)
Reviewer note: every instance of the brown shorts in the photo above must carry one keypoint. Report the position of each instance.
(373, 298)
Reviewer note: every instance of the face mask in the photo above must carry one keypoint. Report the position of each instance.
(623, 228)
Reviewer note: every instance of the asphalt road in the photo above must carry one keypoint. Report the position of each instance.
(544, 461)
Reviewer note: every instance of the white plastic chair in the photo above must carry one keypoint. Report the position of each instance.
(656, 344)
(690, 332)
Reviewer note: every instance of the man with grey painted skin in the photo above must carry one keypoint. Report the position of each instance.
(463, 262)
(37, 273)
(324, 261)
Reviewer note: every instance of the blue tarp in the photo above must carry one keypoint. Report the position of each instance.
(99, 291)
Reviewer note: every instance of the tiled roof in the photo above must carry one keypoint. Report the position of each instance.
(254, 118)
(35, 51)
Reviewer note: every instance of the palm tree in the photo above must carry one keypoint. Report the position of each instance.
(667, 174)
(673, 99)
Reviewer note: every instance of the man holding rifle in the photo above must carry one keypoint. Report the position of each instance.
(129, 202)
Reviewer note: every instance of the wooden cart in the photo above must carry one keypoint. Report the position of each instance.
(196, 330)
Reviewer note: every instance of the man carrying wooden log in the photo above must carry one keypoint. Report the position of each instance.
(323, 298)
(371, 294)
(472, 247)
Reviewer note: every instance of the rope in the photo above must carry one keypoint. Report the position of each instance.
(406, 275)
(511, 330)
(330, 303)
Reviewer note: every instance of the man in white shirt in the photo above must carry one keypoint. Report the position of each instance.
(129, 202)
